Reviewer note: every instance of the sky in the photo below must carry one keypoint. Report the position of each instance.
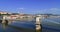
(31, 6)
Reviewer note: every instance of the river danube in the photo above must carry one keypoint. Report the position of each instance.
(18, 26)
(51, 25)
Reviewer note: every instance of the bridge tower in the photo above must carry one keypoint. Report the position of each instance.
(3, 20)
(38, 22)
(6, 21)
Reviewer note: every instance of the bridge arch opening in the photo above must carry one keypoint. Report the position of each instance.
(0, 21)
(6, 21)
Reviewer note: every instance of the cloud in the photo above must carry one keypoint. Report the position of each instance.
(54, 9)
(43, 11)
(49, 11)
(20, 10)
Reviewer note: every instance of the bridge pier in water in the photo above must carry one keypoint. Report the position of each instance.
(38, 23)
(5, 21)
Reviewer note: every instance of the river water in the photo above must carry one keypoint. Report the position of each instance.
(18, 26)
(48, 25)
(51, 25)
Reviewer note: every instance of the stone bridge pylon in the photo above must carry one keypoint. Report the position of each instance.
(38, 22)
(4, 20)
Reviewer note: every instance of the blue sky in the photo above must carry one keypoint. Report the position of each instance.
(31, 6)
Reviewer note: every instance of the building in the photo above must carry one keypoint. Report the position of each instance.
(5, 13)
